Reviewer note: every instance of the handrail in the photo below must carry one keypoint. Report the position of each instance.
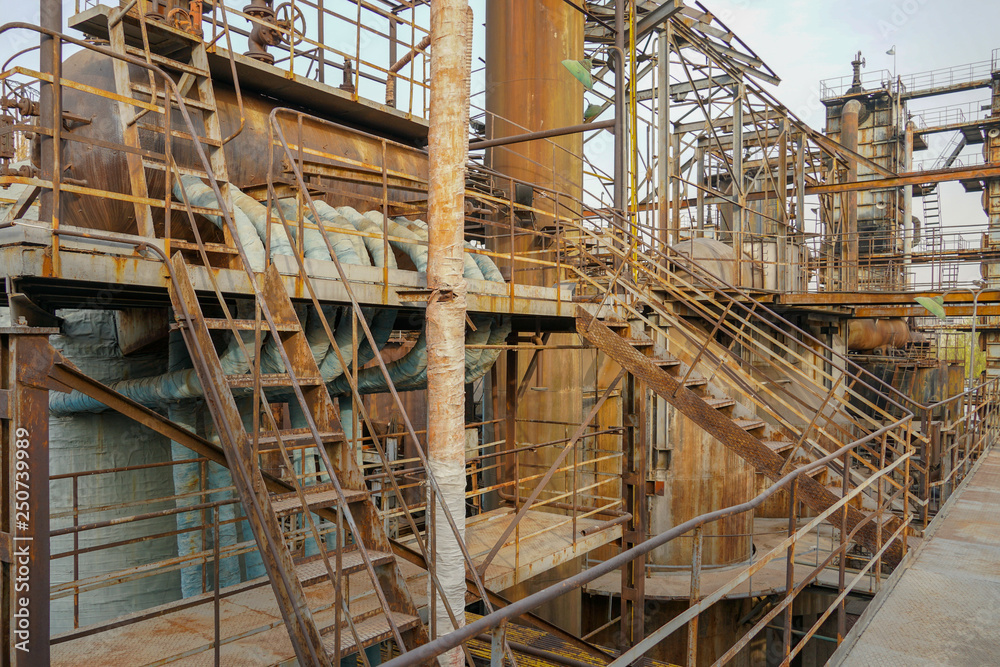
(444, 643)
(265, 311)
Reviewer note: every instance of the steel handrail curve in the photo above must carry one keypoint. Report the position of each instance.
(275, 129)
(455, 638)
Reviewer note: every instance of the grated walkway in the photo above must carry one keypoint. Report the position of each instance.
(944, 608)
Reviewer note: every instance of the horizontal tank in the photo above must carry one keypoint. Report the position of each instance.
(248, 159)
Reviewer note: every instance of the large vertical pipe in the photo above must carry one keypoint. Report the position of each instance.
(908, 203)
(528, 88)
(849, 256)
(50, 102)
(621, 168)
(451, 32)
(663, 134)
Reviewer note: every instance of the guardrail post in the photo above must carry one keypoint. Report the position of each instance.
(842, 569)
(696, 559)
(497, 644)
(790, 564)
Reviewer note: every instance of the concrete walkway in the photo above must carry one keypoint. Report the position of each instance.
(944, 607)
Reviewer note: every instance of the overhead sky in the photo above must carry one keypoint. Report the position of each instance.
(805, 41)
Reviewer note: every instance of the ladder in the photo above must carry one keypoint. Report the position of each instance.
(144, 105)
(333, 495)
(932, 207)
(329, 506)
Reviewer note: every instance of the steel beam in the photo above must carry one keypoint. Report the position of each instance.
(542, 134)
(24, 519)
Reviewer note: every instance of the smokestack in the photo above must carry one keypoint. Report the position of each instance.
(849, 254)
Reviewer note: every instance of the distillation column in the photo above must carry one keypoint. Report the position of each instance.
(527, 90)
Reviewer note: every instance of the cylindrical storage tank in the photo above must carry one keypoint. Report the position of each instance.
(703, 475)
(718, 259)
(528, 89)
(248, 158)
(871, 334)
(86, 442)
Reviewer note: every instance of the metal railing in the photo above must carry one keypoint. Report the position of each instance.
(699, 603)
(947, 76)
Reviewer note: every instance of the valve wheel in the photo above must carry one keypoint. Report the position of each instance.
(289, 18)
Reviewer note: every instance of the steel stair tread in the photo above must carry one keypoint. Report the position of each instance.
(779, 446)
(297, 437)
(313, 570)
(223, 324)
(289, 503)
(370, 631)
(748, 424)
(720, 403)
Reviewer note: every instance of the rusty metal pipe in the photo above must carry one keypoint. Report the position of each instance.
(390, 80)
(542, 134)
(849, 213)
(625, 518)
(448, 150)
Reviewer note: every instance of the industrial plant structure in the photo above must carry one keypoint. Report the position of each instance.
(327, 342)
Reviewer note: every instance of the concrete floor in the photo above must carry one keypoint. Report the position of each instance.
(944, 606)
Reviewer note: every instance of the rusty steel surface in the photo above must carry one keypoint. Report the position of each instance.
(529, 90)
(263, 522)
(448, 150)
(750, 448)
(251, 625)
(27, 358)
(943, 606)
(104, 167)
(541, 134)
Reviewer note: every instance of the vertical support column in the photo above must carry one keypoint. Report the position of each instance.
(800, 184)
(50, 106)
(664, 164)
(908, 204)
(783, 273)
(739, 199)
(633, 587)
(451, 27)
(620, 163)
(849, 255)
(991, 270)
(24, 520)
(700, 194)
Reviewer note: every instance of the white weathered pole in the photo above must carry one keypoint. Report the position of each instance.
(451, 32)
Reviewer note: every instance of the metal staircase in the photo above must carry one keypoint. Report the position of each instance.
(742, 435)
(329, 509)
(336, 484)
(799, 399)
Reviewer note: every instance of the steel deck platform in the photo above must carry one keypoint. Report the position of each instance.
(942, 607)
